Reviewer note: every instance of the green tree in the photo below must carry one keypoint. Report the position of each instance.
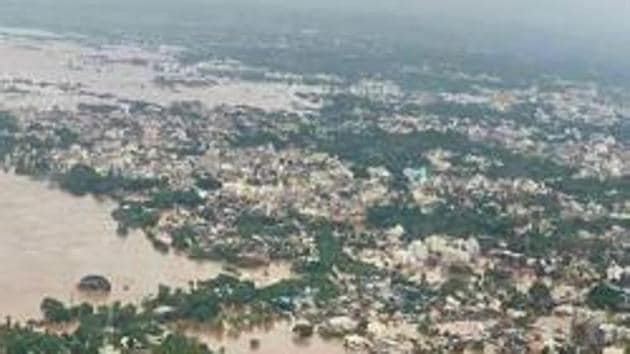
(55, 311)
(540, 297)
(179, 344)
(603, 296)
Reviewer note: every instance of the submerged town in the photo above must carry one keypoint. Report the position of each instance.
(466, 214)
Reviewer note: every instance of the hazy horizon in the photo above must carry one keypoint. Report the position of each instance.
(569, 16)
(561, 32)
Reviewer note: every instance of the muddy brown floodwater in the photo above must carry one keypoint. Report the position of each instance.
(49, 240)
(276, 338)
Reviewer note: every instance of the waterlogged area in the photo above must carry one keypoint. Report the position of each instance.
(273, 338)
(49, 240)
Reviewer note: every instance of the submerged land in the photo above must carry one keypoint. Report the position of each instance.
(420, 209)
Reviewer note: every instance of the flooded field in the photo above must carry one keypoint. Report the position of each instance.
(272, 339)
(69, 73)
(49, 240)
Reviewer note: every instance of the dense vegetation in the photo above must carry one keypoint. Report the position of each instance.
(8, 125)
(83, 179)
(607, 297)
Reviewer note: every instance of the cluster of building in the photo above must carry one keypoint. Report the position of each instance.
(522, 279)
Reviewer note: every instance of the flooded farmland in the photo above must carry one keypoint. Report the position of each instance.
(274, 338)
